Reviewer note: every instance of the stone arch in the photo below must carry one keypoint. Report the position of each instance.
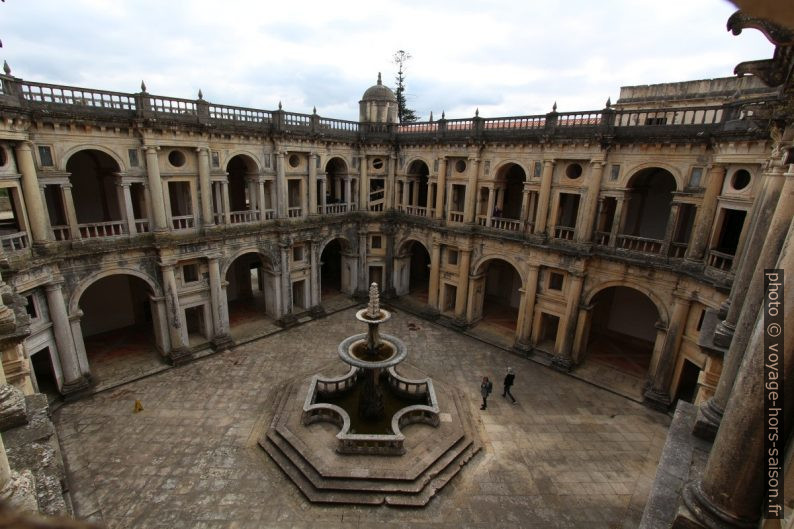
(337, 159)
(411, 270)
(494, 298)
(253, 290)
(509, 178)
(649, 293)
(74, 300)
(478, 265)
(92, 147)
(674, 171)
(650, 194)
(247, 155)
(510, 161)
(347, 246)
(261, 252)
(338, 266)
(410, 161)
(410, 239)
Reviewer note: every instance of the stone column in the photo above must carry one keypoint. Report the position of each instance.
(281, 186)
(390, 182)
(79, 343)
(616, 220)
(287, 318)
(34, 201)
(658, 394)
(524, 206)
(180, 352)
(73, 379)
(747, 290)
(491, 203)
(435, 275)
(441, 187)
(582, 332)
(406, 193)
(530, 291)
(669, 231)
(304, 198)
(260, 191)
(348, 193)
(222, 338)
(315, 273)
(129, 213)
(363, 266)
(590, 209)
(323, 193)
(563, 361)
(704, 218)
(463, 285)
(159, 222)
(731, 489)
(312, 209)
(227, 214)
(71, 214)
(204, 186)
(363, 184)
(544, 196)
(470, 205)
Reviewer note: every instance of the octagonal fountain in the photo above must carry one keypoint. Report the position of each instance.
(328, 434)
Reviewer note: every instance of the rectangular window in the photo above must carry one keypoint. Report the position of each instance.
(538, 169)
(297, 253)
(695, 177)
(376, 241)
(190, 273)
(700, 320)
(615, 172)
(133, 156)
(31, 307)
(555, 281)
(45, 156)
(452, 257)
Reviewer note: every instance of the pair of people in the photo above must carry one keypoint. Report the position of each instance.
(487, 387)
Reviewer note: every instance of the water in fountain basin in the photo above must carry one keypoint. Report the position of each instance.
(383, 351)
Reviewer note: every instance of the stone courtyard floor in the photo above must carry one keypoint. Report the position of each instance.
(568, 455)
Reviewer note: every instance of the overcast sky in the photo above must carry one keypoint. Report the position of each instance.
(505, 57)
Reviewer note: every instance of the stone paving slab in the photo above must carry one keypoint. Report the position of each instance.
(568, 455)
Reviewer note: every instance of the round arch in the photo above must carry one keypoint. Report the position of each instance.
(249, 158)
(479, 265)
(415, 159)
(674, 172)
(505, 163)
(92, 147)
(403, 244)
(74, 301)
(650, 294)
(337, 160)
(263, 254)
(347, 245)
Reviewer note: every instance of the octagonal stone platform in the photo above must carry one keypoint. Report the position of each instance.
(307, 454)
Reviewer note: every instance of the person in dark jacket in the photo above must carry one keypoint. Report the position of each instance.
(485, 389)
(510, 377)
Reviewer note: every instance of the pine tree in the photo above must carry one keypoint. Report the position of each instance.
(405, 114)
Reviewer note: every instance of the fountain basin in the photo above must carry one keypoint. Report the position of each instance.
(391, 352)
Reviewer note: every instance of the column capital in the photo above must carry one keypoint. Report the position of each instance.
(54, 285)
(151, 148)
(280, 153)
(598, 163)
(313, 154)
(24, 144)
(202, 149)
(549, 162)
(473, 158)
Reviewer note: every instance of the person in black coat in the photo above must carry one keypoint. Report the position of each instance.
(510, 377)
(485, 389)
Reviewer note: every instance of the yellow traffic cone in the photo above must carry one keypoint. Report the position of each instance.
(138, 407)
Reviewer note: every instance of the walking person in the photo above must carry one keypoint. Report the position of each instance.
(485, 389)
(510, 377)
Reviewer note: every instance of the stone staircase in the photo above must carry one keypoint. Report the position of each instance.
(307, 456)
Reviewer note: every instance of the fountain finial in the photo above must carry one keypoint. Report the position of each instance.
(373, 310)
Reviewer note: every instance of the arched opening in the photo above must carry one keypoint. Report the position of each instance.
(414, 192)
(509, 192)
(242, 189)
(118, 327)
(336, 270)
(251, 294)
(412, 271)
(649, 195)
(96, 194)
(496, 299)
(622, 331)
(42, 374)
(336, 191)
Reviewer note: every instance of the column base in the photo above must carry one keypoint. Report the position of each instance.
(317, 311)
(656, 400)
(697, 512)
(75, 389)
(179, 356)
(459, 323)
(287, 321)
(222, 342)
(708, 421)
(13, 410)
(562, 364)
(723, 334)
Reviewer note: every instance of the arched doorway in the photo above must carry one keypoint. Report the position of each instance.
(496, 299)
(649, 195)
(414, 192)
(337, 268)
(242, 189)
(118, 327)
(98, 204)
(412, 271)
(622, 331)
(510, 191)
(336, 191)
(251, 294)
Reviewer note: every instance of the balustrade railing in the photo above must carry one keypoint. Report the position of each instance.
(482, 220)
(456, 216)
(13, 242)
(720, 260)
(505, 224)
(417, 211)
(517, 122)
(335, 209)
(579, 119)
(115, 228)
(142, 225)
(239, 114)
(338, 124)
(294, 212)
(71, 95)
(61, 233)
(707, 115)
(563, 232)
(183, 222)
(677, 250)
(219, 218)
(172, 105)
(270, 214)
(244, 216)
(639, 244)
(602, 237)
(376, 207)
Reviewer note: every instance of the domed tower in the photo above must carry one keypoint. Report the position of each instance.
(379, 104)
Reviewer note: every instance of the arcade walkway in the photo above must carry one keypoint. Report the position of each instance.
(568, 455)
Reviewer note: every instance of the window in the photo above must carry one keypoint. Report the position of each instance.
(45, 156)
(615, 172)
(377, 163)
(700, 320)
(3, 156)
(190, 273)
(31, 307)
(294, 160)
(555, 281)
(538, 169)
(573, 171)
(460, 166)
(695, 176)
(452, 256)
(133, 156)
(297, 253)
(176, 158)
(376, 241)
(740, 179)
